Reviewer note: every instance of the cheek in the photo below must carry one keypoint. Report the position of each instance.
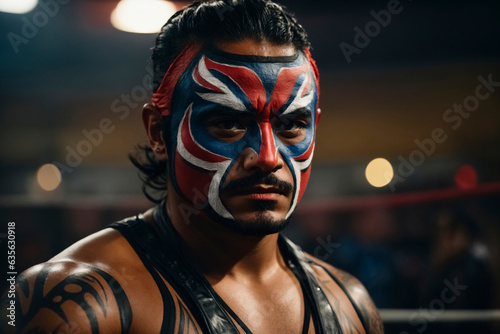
(304, 178)
(302, 170)
(193, 183)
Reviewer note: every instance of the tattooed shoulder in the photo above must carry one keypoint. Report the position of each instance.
(358, 294)
(362, 300)
(70, 297)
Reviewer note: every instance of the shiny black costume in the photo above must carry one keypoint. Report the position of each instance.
(162, 253)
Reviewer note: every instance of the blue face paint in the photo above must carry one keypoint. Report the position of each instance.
(254, 88)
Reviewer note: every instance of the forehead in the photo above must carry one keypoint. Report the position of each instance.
(254, 48)
(232, 66)
(244, 82)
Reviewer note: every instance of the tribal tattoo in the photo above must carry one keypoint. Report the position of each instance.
(93, 291)
(369, 313)
(186, 322)
(346, 322)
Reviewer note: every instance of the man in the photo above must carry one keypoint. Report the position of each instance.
(231, 132)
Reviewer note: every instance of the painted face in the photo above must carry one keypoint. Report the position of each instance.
(259, 90)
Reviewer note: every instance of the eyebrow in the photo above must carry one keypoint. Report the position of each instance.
(299, 113)
(223, 111)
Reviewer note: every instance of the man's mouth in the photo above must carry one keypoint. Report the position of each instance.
(261, 192)
(258, 187)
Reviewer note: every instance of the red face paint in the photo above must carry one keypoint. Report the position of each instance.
(206, 81)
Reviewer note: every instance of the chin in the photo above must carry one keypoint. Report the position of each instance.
(261, 224)
(256, 217)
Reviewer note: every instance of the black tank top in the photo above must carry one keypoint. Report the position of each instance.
(162, 254)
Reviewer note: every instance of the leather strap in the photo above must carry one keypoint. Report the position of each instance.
(166, 253)
(179, 269)
(326, 319)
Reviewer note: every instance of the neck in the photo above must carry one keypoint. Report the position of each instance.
(218, 251)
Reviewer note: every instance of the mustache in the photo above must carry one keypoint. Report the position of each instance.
(246, 184)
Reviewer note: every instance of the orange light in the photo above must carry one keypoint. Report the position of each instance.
(142, 16)
(379, 172)
(48, 177)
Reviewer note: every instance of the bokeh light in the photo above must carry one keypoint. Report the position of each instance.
(17, 6)
(48, 177)
(142, 16)
(379, 172)
(466, 177)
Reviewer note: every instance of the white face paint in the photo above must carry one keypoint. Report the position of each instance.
(265, 89)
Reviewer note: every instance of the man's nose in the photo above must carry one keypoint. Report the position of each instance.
(268, 159)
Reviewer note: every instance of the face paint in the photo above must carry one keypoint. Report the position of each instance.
(216, 83)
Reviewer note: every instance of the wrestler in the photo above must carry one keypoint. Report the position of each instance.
(231, 130)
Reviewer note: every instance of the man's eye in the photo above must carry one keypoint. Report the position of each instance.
(290, 125)
(229, 125)
(228, 130)
(292, 129)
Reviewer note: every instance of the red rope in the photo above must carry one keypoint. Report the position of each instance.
(368, 202)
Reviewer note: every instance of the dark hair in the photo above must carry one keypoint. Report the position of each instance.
(207, 23)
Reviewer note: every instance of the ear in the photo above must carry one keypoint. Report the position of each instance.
(151, 117)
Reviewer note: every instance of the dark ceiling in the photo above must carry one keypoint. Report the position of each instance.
(65, 77)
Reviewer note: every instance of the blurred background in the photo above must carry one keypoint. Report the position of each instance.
(405, 187)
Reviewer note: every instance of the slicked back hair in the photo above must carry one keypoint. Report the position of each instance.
(208, 23)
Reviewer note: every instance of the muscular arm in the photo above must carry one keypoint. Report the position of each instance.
(70, 297)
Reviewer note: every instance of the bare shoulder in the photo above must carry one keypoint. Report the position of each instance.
(69, 296)
(109, 251)
(92, 286)
(100, 247)
(358, 294)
